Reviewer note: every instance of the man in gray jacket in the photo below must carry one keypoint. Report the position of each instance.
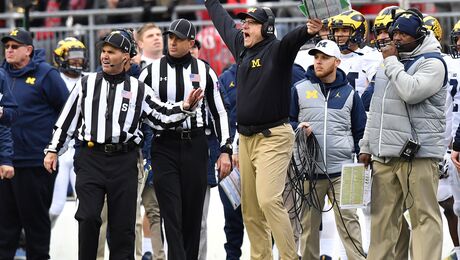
(404, 135)
(326, 104)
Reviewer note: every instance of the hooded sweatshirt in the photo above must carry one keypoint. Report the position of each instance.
(40, 93)
(408, 103)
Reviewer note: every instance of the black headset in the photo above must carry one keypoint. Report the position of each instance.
(133, 43)
(268, 28)
(420, 32)
(128, 35)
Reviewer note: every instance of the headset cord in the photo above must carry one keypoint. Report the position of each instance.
(307, 164)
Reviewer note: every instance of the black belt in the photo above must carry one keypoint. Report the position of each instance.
(111, 148)
(249, 130)
(182, 134)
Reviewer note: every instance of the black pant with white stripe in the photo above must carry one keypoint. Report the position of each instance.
(115, 175)
(180, 178)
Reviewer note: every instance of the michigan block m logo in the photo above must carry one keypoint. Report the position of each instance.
(312, 94)
(321, 44)
(408, 15)
(30, 80)
(255, 63)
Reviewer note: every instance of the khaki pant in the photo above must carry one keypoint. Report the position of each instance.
(291, 203)
(152, 211)
(389, 194)
(139, 222)
(263, 166)
(311, 221)
(202, 254)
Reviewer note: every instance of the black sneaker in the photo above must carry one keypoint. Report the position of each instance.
(325, 257)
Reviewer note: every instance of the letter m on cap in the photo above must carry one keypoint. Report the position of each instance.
(407, 16)
(321, 44)
(252, 10)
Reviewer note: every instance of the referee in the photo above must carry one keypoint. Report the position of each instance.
(104, 111)
(180, 155)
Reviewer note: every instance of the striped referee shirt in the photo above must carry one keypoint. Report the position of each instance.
(111, 111)
(172, 83)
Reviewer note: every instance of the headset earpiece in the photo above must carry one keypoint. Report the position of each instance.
(132, 41)
(268, 28)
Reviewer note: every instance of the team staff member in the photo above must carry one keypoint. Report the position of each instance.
(335, 114)
(266, 140)
(180, 156)
(410, 86)
(233, 227)
(107, 108)
(382, 23)
(40, 93)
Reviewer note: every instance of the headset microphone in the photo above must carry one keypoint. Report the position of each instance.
(401, 45)
(113, 65)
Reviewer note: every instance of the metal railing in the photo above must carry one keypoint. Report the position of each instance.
(89, 33)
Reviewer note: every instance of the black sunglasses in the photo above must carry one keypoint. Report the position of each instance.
(13, 46)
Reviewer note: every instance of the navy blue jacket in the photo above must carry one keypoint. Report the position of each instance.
(358, 114)
(40, 93)
(214, 153)
(6, 146)
(8, 102)
(227, 86)
(298, 73)
(366, 97)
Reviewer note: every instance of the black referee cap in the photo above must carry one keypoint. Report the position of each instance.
(182, 28)
(117, 40)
